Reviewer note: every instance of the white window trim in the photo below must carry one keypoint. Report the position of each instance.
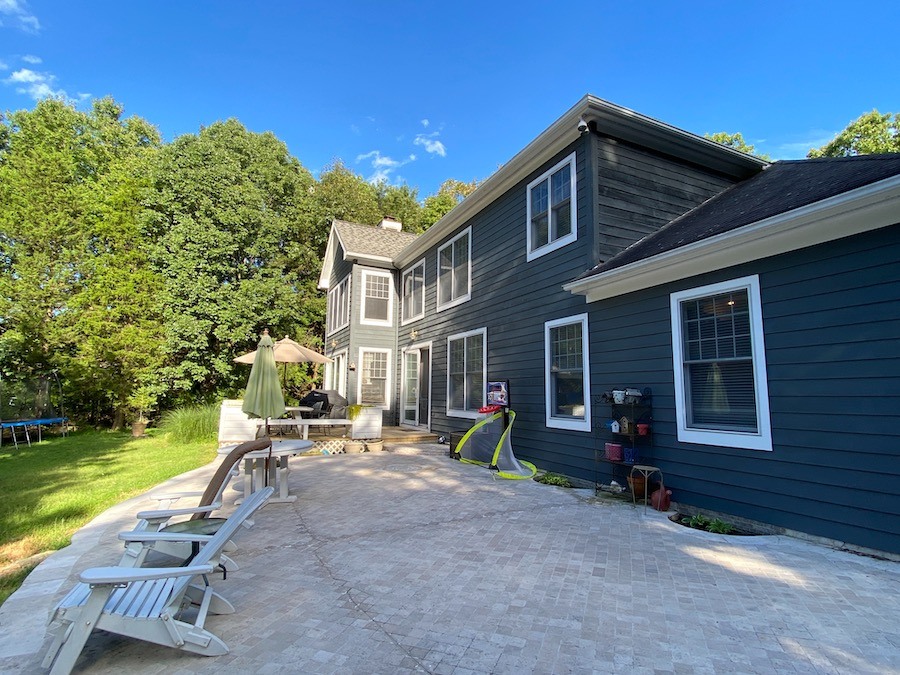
(332, 299)
(362, 299)
(762, 439)
(387, 382)
(468, 414)
(562, 241)
(331, 372)
(421, 313)
(463, 298)
(567, 422)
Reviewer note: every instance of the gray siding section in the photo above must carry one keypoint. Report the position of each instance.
(639, 191)
(831, 318)
(513, 298)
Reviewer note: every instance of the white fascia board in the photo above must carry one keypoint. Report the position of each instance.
(867, 208)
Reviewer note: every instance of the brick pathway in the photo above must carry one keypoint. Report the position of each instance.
(405, 562)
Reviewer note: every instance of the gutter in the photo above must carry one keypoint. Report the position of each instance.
(868, 208)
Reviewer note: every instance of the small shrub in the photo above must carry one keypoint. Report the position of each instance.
(698, 521)
(720, 527)
(554, 479)
(192, 424)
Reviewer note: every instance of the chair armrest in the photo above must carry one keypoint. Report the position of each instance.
(124, 575)
(149, 537)
(171, 513)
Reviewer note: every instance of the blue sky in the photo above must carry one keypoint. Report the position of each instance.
(418, 92)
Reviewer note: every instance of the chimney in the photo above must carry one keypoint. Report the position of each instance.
(390, 223)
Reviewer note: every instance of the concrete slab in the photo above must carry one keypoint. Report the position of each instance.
(411, 562)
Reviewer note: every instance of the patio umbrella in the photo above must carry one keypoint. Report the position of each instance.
(288, 351)
(263, 397)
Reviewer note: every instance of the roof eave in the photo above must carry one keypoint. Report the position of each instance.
(609, 119)
(867, 208)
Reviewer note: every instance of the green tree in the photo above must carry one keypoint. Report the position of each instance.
(869, 134)
(451, 193)
(736, 142)
(70, 189)
(402, 203)
(237, 248)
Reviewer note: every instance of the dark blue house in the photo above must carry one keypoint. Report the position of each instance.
(760, 303)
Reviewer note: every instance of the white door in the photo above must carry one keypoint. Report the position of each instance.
(416, 387)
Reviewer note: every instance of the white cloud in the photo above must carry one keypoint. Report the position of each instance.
(815, 138)
(384, 167)
(34, 84)
(425, 123)
(431, 144)
(33, 60)
(3, 66)
(15, 13)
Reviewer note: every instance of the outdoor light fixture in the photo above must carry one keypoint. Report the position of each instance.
(351, 366)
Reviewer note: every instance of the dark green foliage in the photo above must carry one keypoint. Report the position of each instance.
(550, 478)
(138, 270)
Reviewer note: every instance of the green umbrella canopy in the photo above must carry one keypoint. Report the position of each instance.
(264, 397)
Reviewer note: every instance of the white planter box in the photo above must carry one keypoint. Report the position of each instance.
(367, 424)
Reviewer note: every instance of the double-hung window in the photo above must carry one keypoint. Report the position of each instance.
(376, 303)
(413, 293)
(551, 212)
(466, 373)
(374, 377)
(721, 392)
(338, 312)
(567, 378)
(455, 270)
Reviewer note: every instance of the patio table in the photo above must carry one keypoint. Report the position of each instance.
(264, 467)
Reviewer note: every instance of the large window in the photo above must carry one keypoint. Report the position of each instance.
(414, 293)
(568, 387)
(376, 299)
(374, 377)
(466, 372)
(338, 313)
(454, 270)
(720, 367)
(552, 213)
(336, 373)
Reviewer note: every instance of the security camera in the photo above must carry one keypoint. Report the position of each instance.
(582, 126)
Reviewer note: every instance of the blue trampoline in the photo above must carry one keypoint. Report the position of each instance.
(30, 405)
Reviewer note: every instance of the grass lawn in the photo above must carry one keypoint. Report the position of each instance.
(54, 487)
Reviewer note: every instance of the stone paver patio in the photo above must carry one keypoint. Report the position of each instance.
(411, 562)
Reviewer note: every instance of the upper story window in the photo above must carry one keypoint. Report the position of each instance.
(721, 390)
(466, 373)
(567, 381)
(377, 295)
(552, 214)
(414, 293)
(338, 312)
(455, 270)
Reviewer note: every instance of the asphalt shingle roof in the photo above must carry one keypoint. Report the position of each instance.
(371, 240)
(782, 187)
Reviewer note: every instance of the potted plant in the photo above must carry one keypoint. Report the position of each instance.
(366, 421)
(143, 401)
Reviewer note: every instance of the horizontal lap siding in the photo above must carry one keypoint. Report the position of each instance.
(639, 191)
(831, 316)
(513, 298)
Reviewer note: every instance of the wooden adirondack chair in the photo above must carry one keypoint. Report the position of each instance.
(146, 603)
(199, 521)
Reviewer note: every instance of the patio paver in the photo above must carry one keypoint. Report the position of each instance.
(406, 562)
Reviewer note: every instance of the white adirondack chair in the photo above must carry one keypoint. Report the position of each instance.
(199, 520)
(146, 603)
